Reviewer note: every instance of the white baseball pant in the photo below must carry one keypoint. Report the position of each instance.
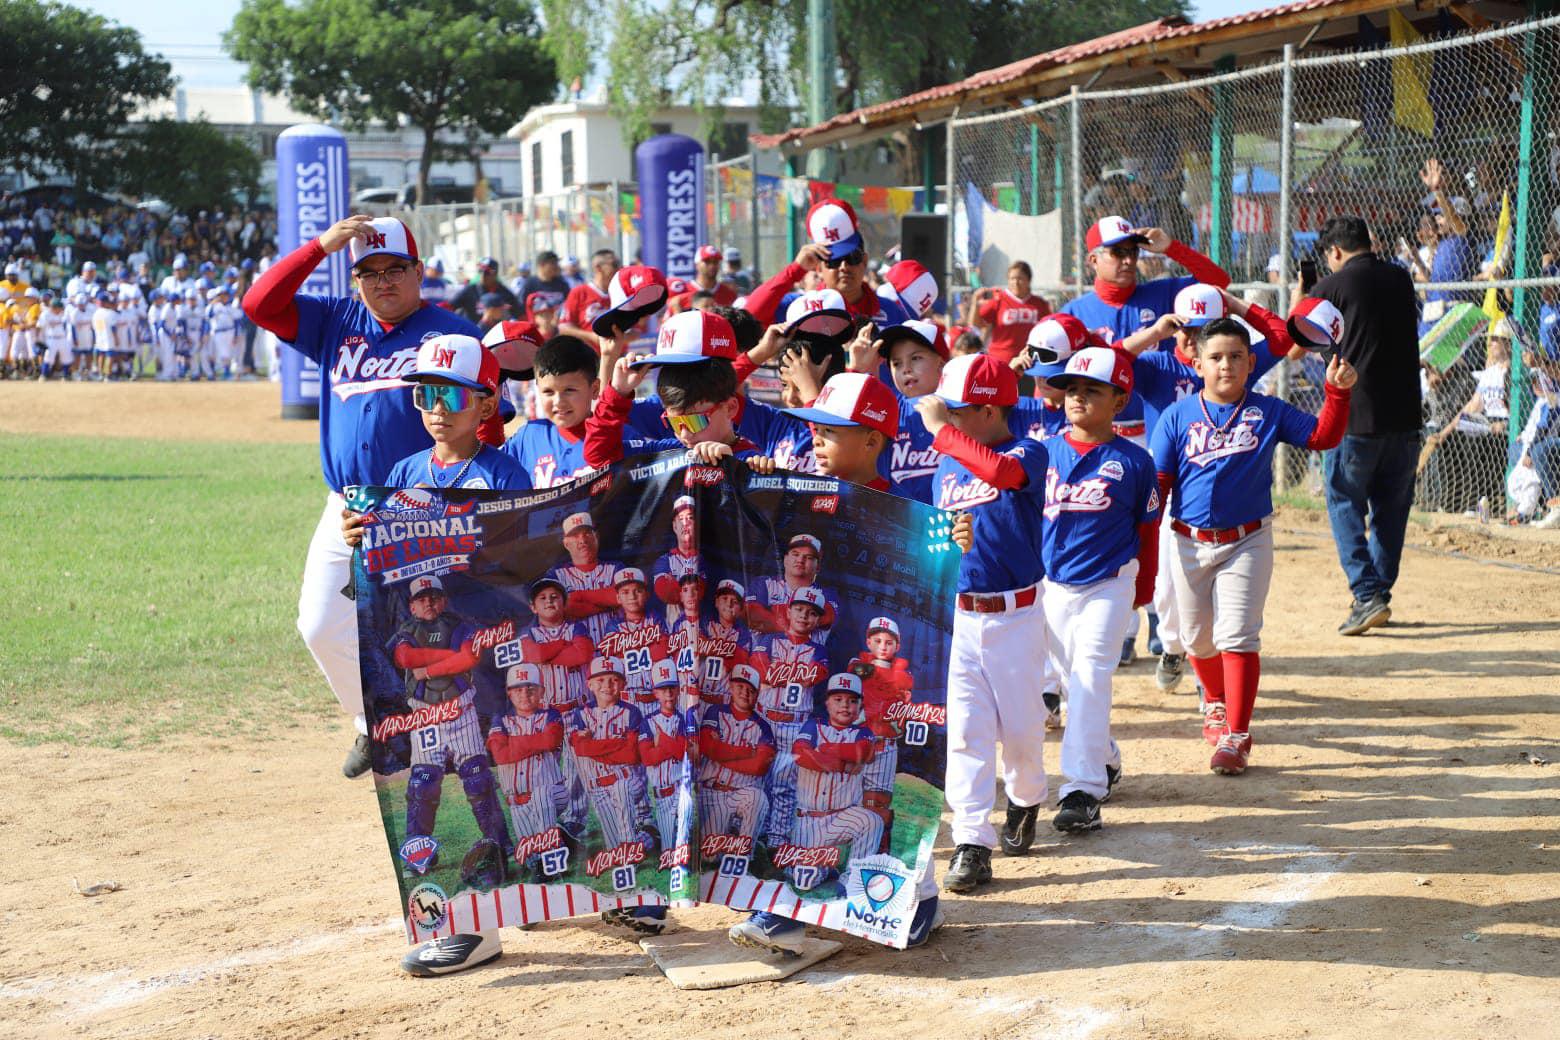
(676, 804)
(615, 807)
(739, 810)
(781, 781)
(1087, 624)
(1165, 607)
(455, 742)
(57, 352)
(532, 812)
(880, 772)
(327, 620)
(854, 825)
(1222, 590)
(995, 670)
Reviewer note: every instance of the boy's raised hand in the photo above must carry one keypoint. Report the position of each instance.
(1341, 374)
(626, 378)
(933, 411)
(711, 452)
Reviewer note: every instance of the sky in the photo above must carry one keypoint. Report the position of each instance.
(189, 32)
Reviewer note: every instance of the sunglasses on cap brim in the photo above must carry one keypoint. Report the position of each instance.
(850, 259)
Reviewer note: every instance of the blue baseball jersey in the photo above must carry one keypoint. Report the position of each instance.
(549, 455)
(1221, 456)
(762, 430)
(1094, 502)
(1160, 378)
(910, 462)
(367, 422)
(1147, 304)
(489, 468)
(1006, 554)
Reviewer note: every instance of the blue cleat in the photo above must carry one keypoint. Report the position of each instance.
(770, 933)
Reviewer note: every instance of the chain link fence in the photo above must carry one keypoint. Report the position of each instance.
(1448, 147)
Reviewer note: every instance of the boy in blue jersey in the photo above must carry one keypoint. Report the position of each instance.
(551, 449)
(1216, 451)
(1098, 545)
(998, 655)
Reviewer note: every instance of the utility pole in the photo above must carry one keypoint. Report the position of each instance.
(822, 63)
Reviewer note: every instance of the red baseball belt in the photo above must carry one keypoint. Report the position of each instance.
(665, 792)
(784, 716)
(715, 786)
(814, 813)
(998, 602)
(521, 799)
(1216, 535)
(606, 781)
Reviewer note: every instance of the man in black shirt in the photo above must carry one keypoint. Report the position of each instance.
(1370, 476)
(468, 302)
(547, 280)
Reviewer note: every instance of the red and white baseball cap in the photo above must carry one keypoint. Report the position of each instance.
(460, 359)
(811, 595)
(1198, 304)
(1056, 337)
(663, 673)
(627, 576)
(574, 521)
(977, 379)
(883, 624)
(1109, 231)
(1315, 324)
(844, 682)
(853, 399)
(691, 336)
(522, 675)
(424, 585)
(912, 285)
(927, 333)
(682, 502)
(538, 302)
(805, 539)
(733, 587)
(821, 314)
(384, 236)
(1101, 364)
(707, 253)
(833, 223)
(635, 292)
(602, 665)
(515, 344)
(746, 673)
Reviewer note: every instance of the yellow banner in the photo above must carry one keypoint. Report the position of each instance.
(1411, 80)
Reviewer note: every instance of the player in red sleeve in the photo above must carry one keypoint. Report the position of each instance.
(886, 683)
(586, 301)
(525, 744)
(1009, 313)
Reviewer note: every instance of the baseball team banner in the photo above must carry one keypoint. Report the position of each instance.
(663, 684)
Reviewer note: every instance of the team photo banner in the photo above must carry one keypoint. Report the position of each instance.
(664, 684)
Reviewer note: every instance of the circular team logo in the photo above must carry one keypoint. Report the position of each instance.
(428, 907)
(880, 886)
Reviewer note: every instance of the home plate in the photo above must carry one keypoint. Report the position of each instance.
(708, 960)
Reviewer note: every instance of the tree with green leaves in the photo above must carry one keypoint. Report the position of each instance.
(660, 51)
(190, 165)
(454, 69)
(70, 82)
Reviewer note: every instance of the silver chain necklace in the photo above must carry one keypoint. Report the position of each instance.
(434, 480)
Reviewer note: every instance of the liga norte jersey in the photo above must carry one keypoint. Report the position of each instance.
(1147, 304)
(910, 462)
(1160, 378)
(1006, 553)
(1094, 502)
(1221, 456)
(367, 422)
(829, 791)
(490, 469)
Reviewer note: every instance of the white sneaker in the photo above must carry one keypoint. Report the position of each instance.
(1551, 520)
(456, 953)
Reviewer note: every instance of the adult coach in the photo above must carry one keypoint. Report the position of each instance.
(363, 345)
(1370, 475)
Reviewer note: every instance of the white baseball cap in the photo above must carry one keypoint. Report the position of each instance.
(1100, 365)
(601, 665)
(746, 673)
(1055, 337)
(913, 285)
(1109, 231)
(574, 521)
(833, 223)
(805, 539)
(1315, 324)
(1198, 304)
(385, 236)
(927, 333)
(682, 502)
(733, 587)
(821, 313)
(634, 292)
(460, 359)
(844, 682)
(522, 675)
(428, 583)
(692, 336)
(627, 575)
(853, 399)
(811, 595)
(663, 673)
(883, 624)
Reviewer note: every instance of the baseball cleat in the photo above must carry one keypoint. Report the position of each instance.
(359, 760)
(1112, 778)
(643, 920)
(928, 918)
(1053, 710)
(1128, 652)
(1167, 674)
(1155, 646)
(1018, 834)
(770, 933)
(1080, 813)
(1365, 616)
(1215, 721)
(1229, 758)
(456, 953)
(969, 869)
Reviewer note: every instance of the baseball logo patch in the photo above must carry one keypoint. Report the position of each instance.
(1251, 414)
(428, 907)
(1112, 469)
(420, 853)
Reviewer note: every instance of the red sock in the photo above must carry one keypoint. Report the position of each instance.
(1210, 672)
(1241, 672)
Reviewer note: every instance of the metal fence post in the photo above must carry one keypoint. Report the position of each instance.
(1034, 169)
(755, 259)
(950, 197)
(1286, 149)
(790, 208)
(1077, 188)
(1220, 164)
(1523, 249)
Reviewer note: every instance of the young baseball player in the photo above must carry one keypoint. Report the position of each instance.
(886, 682)
(551, 448)
(592, 596)
(724, 643)
(832, 754)
(195, 343)
(525, 743)
(54, 334)
(1215, 451)
(221, 334)
(559, 650)
(854, 418)
(998, 655)
(1098, 546)
(635, 638)
(662, 749)
(736, 750)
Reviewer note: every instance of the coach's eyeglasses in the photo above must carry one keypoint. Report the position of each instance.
(391, 275)
(1127, 252)
(849, 259)
(691, 423)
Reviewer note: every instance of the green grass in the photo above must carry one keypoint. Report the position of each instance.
(151, 589)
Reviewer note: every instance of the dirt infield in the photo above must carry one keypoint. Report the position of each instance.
(1389, 861)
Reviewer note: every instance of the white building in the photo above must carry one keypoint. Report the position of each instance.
(572, 143)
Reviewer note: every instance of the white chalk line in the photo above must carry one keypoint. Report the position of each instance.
(88, 995)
